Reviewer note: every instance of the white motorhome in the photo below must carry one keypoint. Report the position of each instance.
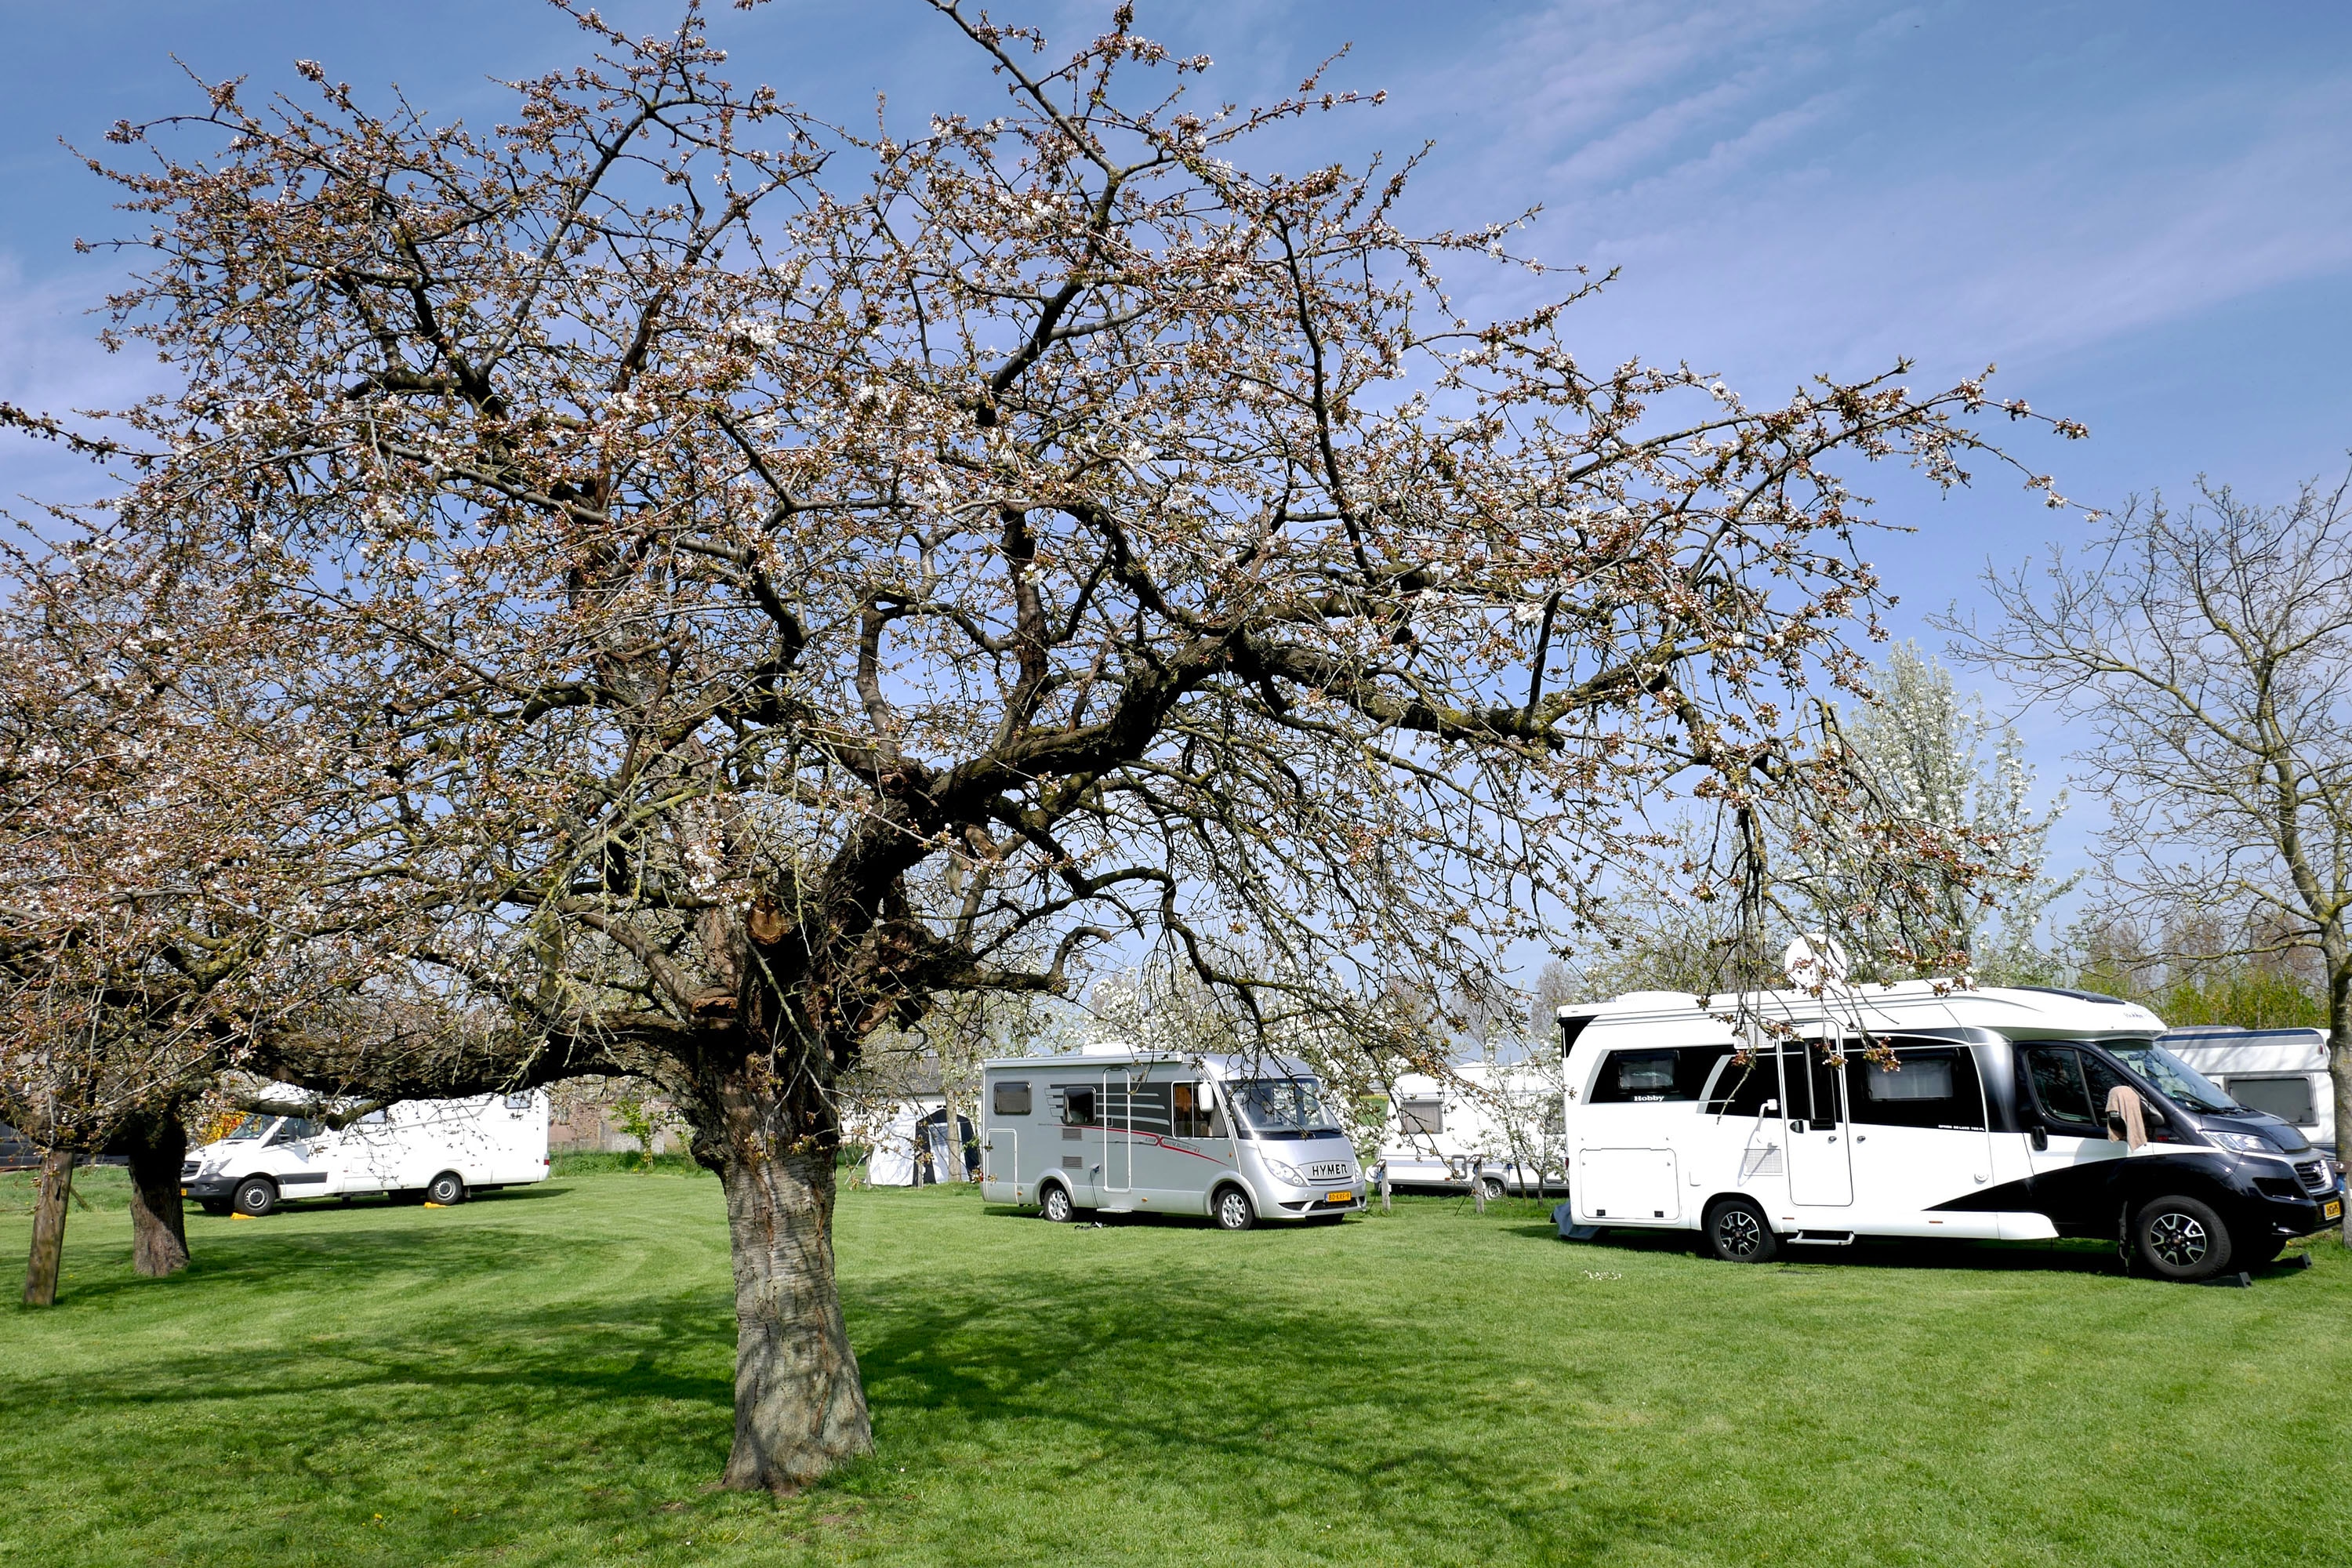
(1497, 1125)
(1239, 1139)
(1920, 1109)
(418, 1150)
(2283, 1071)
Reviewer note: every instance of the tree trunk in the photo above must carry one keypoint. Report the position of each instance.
(49, 1198)
(157, 1145)
(800, 1409)
(2339, 1073)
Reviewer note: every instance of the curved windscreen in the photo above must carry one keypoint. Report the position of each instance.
(2183, 1084)
(1281, 1106)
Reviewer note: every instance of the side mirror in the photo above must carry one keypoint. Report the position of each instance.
(2038, 1135)
(2116, 1123)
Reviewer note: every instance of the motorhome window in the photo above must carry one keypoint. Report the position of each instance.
(1934, 1087)
(1555, 1115)
(2057, 1076)
(1138, 1106)
(1740, 1089)
(1281, 1106)
(251, 1127)
(1011, 1099)
(1809, 1082)
(2103, 1079)
(1195, 1110)
(2288, 1098)
(1646, 1077)
(1077, 1105)
(518, 1101)
(1426, 1117)
(2180, 1083)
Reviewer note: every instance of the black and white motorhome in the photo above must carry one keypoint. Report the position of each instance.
(1239, 1139)
(2283, 1071)
(1982, 1116)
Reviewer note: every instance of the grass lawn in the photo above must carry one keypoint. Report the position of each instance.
(543, 1376)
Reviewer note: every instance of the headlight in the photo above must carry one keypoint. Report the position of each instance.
(1284, 1172)
(2244, 1143)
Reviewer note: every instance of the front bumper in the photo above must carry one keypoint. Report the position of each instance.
(2278, 1213)
(1297, 1203)
(207, 1187)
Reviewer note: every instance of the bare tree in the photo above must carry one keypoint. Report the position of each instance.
(2208, 652)
(147, 790)
(769, 578)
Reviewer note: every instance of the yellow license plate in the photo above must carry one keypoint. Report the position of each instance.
(2335, 1210)
(1341, 1198)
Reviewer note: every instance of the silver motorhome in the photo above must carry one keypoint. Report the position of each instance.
(1238, 1139)
(1921, 1109)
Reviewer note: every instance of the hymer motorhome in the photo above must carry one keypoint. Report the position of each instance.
(1239, 1139)
(1921, 1109)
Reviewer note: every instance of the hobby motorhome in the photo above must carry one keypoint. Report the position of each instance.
(1987, 1121)
(2283, 1071)
(425, 1151)
(1238, 1139)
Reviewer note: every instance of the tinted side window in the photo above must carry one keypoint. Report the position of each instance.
(1011, 1099)
(2101, 1076)
(1928, 1085)
(2057, 1078)
(1638, 1077)
(1742, 1088)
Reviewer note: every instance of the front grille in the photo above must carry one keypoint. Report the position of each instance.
(2315, 1176)
(188, 1169)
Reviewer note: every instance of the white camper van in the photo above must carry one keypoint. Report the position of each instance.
(1238, 1139)
(1988, 1121)
(419, 1151)
(2283, 1071)
(1497, 1125)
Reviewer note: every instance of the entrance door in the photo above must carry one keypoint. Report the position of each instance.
(1821, 1172)
(1118, 1136)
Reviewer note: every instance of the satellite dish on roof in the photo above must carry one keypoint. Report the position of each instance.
(1814, 959)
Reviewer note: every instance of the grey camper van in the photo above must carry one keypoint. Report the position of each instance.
(1238, 1139)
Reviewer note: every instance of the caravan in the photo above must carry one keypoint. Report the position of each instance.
(419, 1151)
(1494, 1125)
(1238, 1139)
(1920, 1109)
(2283, 1071)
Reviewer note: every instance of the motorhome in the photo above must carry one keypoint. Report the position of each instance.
(2283, 1071)
(1921, 1108)
(1240, 1140)
(1490, 1124)
(418, 1150)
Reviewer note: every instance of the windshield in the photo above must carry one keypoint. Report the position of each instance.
(251, 1127)
(2183, 1084)
(1281, 1106)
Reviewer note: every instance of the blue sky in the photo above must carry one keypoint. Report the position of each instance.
(2143, 213)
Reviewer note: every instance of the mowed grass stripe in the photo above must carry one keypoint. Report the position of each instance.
(544, 1376)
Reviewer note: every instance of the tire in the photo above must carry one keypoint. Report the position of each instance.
(1053, 1204)
(447, 1189)
(1740, 1232)
(255, 1195)
(1232, 1209)
(1493, 1187)
(2180, 1238)
(213, 1205)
